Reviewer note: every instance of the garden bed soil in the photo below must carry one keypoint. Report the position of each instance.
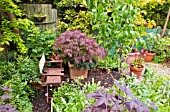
(99, 74)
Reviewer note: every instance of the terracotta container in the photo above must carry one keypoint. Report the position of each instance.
(149, 57)
(131, 57)
(137, 71)
(77, 72)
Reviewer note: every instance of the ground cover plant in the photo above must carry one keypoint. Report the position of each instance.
(72, 97)
(5, 96)
(154, 88)
(120, 99)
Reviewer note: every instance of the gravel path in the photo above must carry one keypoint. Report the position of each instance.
(159, 69)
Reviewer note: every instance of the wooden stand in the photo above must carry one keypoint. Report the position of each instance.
(51, 76)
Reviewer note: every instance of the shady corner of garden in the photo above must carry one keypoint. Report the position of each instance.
(84, 56)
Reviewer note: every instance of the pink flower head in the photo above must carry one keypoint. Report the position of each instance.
(137, 54)
(90, 61)
(142, 51)
(146, 52)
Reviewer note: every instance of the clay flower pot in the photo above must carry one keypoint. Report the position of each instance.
(77, 72)
(149, 57)
(137, 71)
(131, 57)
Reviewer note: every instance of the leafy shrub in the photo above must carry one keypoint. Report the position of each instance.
(7, 69)
(156, 10)
(153, 88)
(74, 15)
(71, 97)
(9, 28)
(78, 48)
(120, 99)
(162, 49)
(23, 65)
(16, 76)
(39, 42)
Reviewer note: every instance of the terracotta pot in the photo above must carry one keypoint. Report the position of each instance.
(149, 57)
(137, 71)
(131, 57)
(77, 72)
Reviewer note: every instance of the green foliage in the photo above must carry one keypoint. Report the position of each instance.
(9, 27)
(39, 42)
(74, 15)
(162, 49)
(16, 75)
(156, 10)
(148, 42)
(117, 31)
(24, 66)
(153, 88)
(107, 63)
(7, 69)
(154, 42)
(71, 97)
(21, 94)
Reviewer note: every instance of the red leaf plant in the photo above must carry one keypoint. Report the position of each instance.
(79, 49)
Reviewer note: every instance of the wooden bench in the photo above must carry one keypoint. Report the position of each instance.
(51, 76)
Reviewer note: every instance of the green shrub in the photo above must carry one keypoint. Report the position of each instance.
(156, 10)
(16, 75)
(39, 42)
(71, 97)
(74, 15)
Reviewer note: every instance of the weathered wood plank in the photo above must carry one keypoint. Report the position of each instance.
(46, 9)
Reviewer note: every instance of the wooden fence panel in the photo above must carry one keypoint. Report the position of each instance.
(50, 21)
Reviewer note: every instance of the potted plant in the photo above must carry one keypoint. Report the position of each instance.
(149, 43)
(131, 56)
(137, 64)
(80, 51)
(39, 17)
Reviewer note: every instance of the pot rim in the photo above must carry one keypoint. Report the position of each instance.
(136, 69)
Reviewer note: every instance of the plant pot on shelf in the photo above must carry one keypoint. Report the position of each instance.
(77, 72)
(149, 57)
(39, 19)
(137, 71)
